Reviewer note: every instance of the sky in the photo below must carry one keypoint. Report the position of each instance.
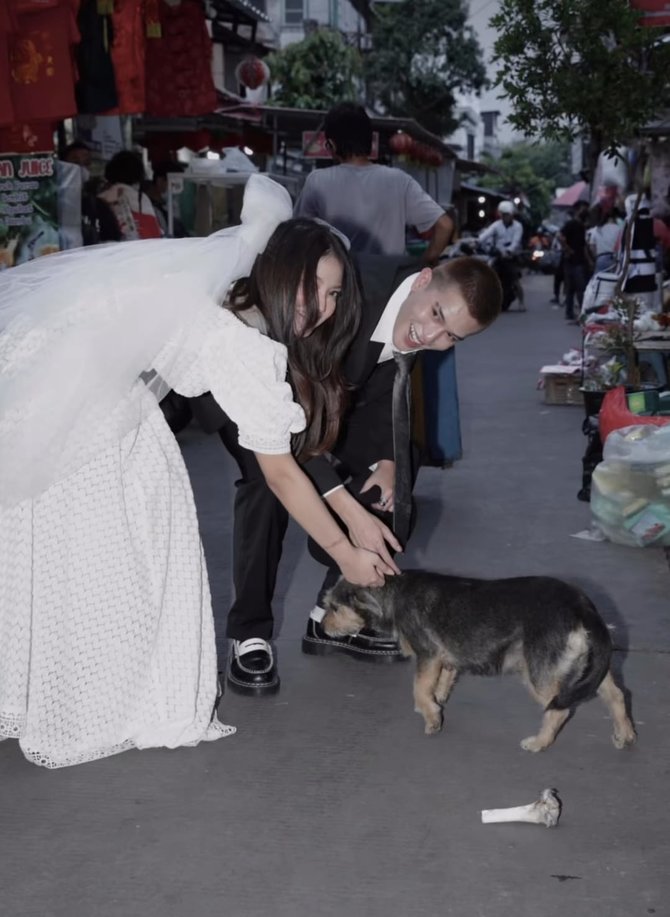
(480, 13)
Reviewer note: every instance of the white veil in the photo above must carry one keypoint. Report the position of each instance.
(78, 329)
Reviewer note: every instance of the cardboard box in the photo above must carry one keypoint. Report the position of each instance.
(562, 385)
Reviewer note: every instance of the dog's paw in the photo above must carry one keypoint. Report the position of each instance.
(433, 726)
(532, 743)
(623, 737)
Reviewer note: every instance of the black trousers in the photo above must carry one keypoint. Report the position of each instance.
(259, 528)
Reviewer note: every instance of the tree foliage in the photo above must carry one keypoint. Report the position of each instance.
(318, 72)
(576, 67)
(423, 54)
(533, 170)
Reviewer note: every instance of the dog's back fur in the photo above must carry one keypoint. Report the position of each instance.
(541, 627)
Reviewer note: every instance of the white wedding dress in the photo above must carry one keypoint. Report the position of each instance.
(106, 629)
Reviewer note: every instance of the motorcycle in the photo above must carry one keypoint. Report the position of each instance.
(506, 266)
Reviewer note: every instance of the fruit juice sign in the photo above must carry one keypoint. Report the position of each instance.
(28, 207)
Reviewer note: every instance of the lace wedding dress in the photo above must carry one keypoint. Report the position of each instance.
(106, 629)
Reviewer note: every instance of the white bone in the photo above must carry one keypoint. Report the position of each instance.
(544, 811)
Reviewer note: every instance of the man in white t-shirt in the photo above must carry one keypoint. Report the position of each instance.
(371, 204)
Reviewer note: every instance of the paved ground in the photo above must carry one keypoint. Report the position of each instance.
(329, 800)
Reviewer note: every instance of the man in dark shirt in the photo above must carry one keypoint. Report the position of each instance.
(575, 259)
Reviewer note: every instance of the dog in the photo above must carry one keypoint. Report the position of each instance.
(542, 628)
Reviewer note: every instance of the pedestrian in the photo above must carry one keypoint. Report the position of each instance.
(575, 259)
(431, 309)
(556, 250)
(106, 630)
(134, 212)
(603, 237)
(98, 223)
(156, 189)
(371, 204)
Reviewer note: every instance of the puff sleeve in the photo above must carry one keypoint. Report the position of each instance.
(246, 373)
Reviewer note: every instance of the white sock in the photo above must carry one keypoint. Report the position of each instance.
(317, 613)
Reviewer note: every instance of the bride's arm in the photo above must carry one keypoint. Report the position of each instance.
(293, 488)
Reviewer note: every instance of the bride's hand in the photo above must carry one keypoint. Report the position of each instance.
(364, 568)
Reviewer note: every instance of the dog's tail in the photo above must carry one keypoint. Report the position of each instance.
(584, 676)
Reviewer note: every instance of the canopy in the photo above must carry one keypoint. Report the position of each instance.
(568, 198)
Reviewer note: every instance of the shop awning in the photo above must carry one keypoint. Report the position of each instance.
(655, 13)
(572, 195)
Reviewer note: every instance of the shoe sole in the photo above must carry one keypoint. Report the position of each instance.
(314, 647)
(240, 687)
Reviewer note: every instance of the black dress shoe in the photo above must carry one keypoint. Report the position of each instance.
(366, 644)
(252, 668)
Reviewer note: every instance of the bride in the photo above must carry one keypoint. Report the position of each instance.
(106, 628)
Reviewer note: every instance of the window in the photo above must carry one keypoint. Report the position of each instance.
(294, 12)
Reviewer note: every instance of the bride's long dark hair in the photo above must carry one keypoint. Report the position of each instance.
(289, 263)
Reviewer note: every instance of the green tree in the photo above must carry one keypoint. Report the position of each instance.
(423, 54)
(579, 68)
(535, 171)
(318, 72)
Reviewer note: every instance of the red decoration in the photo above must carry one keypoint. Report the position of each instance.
(420, 152)
(401, 143)
(252, 72)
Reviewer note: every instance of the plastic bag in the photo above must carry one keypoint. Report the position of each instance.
(615, 414)
(630, 489)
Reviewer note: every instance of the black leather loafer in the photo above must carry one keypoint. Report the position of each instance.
(252, 668)
(366, 644)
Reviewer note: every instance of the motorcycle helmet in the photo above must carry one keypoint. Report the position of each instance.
(506, 207)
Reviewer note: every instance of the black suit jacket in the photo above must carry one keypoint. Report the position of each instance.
(367, 430)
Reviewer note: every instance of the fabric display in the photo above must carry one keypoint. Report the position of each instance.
(178, 64)
(96, 87)
(59, 58)
(130, 22)
(7, 26)
(39, 38)
(641, 273)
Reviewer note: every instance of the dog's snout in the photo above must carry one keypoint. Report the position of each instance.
(341, 621)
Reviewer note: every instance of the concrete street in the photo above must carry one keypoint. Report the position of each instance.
(330, 800)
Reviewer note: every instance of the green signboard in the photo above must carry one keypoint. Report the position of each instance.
(28, 207)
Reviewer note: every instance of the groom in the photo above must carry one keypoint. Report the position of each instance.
(431, 309)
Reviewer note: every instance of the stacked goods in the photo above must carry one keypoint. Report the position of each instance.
(630, 489)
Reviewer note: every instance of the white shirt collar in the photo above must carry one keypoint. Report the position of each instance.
(383, 333)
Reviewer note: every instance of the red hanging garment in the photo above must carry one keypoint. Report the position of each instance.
(128, 56)
(7, 25)
(41, 74)
(179, 62)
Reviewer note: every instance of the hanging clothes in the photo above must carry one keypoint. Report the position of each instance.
(179, 62)
(641, 272)
(128, 55)
(41, 75)
(7, 26)
(96, 87)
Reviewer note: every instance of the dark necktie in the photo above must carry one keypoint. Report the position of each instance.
(402, 448)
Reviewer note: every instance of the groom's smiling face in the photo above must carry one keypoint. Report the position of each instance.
(432, 317)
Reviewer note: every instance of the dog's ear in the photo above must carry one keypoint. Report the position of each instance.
(369, 601)
(342, 593)
(363, 601)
